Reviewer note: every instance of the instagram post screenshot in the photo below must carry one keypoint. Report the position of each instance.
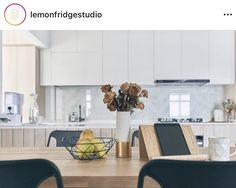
(117, 94)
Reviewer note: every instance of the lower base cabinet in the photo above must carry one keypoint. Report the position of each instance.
(25, 137)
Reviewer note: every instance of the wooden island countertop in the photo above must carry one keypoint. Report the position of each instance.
(110, 172)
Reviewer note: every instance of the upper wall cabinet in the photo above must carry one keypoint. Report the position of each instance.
(75, 58)
(141, 57)
(101, 57)
(222, 57)
(115, 57)
(63, 41)
(195, 55)
(168, 55)
(181, 55)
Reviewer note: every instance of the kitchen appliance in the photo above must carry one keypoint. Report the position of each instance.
(12, 108)
(13, 103)
(184, 82)
(218, 115)
(181, 120)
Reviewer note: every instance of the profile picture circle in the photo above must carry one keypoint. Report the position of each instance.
(15, 14)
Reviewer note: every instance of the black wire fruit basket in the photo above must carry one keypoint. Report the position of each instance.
(89, 149)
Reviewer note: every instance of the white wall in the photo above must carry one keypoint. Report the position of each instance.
(24, 37)
(203, 99)
(42, 36)
(0, 71)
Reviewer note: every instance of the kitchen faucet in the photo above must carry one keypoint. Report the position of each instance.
(80, 117)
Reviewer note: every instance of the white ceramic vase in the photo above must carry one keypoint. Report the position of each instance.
(123, 126)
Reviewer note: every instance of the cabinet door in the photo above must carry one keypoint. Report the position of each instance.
(45, 67)
(221, 57)
(208, 133)
(141, 57)
(9, 72)
(115, 57)
(76, 69)
(168, 55)
(63, 41)
(89, 41)
(195, 55)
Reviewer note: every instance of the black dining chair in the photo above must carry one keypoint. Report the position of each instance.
(69, 137)
(28, 173)
(189, 174)
(134, 135)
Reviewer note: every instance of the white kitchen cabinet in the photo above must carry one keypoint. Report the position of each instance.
(195, 55)
(46, 67)
(168, 55)
(181, 55)
(115, 57)
(208, 133)
(222, 57)
(63, 41)
(1, 69)
(141, 57)
(75, 58)
(219, 130)
(77, 69)
(89, 41)
(222, 131)
(198, 130)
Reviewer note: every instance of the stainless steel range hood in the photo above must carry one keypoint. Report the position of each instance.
(182, 82)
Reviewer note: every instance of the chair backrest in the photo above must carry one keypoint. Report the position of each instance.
(190, 174)
(28, 173)
(134, 135)
(70, 137)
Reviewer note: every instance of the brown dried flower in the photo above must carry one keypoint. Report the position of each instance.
(140, 105)
(106, 88)
(124, 87)
(144, 93)
(134, 89)
(126, 99)
(108, 97)
(111, 106)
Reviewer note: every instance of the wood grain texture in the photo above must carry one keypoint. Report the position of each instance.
(190, 139)
(6, 137)
(40, 138)
(149, 142)
(110, 172)
(18, 138)
(0, 137)
(28, 138)
(106, 133)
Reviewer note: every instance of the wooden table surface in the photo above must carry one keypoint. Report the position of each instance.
(110, 172)
(107, 173)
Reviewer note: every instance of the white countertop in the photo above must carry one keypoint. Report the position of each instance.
(95, 124)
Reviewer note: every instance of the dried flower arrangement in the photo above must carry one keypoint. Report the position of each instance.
(228, 105)
(127, 98)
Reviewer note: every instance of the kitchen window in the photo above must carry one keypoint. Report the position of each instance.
(179, 105)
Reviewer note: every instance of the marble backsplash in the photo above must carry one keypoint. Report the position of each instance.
(203, 100)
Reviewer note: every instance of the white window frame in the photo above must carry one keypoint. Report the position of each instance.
(179, 99)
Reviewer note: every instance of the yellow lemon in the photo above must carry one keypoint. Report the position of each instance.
(87, 134)
(85, 149)
(99, 147)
